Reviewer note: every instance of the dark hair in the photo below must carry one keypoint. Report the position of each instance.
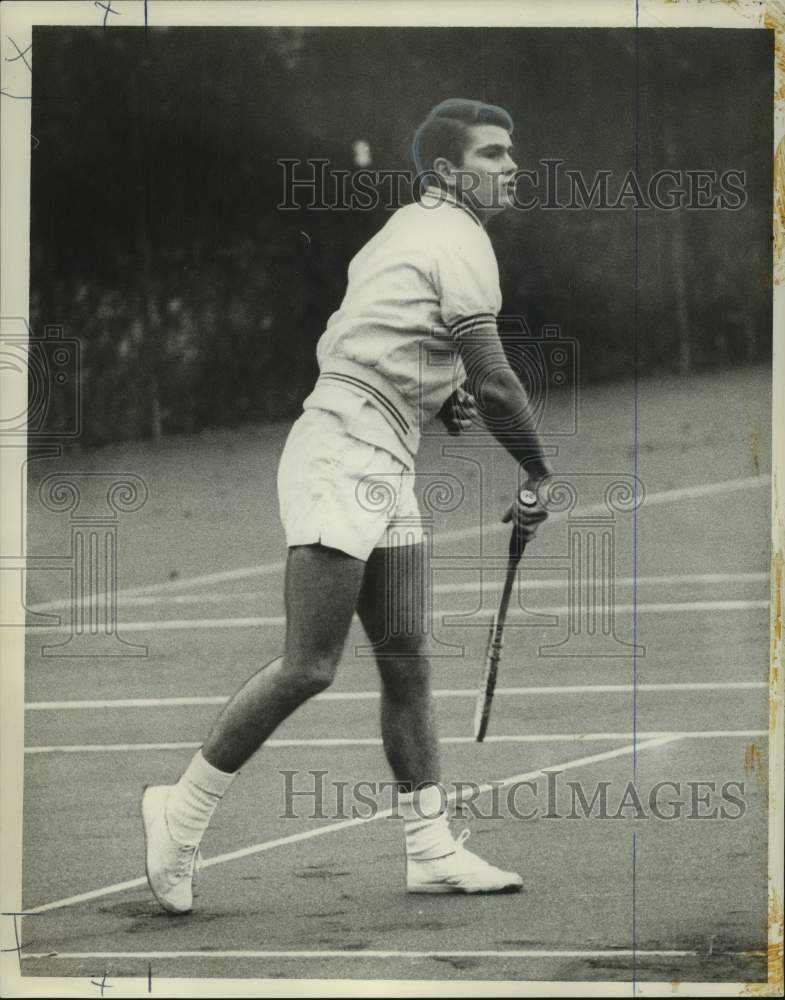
(445, 131)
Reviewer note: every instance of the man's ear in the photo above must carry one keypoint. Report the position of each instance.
(446, 170)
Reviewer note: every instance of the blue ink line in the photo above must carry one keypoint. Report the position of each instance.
(636, 266)
(635, 511)
(634, 922)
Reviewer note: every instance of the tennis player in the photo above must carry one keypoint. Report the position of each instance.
(427, 280)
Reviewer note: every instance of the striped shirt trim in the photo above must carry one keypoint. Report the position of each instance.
(469, 323)
(370, 390)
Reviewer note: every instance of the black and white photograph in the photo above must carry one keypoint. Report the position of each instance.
(392, 498)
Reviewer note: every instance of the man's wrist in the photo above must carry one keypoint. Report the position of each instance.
(535, 469)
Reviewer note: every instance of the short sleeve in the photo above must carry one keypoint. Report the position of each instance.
(466, 277)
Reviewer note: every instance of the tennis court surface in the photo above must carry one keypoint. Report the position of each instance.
(323, 896)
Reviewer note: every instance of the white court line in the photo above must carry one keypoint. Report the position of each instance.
(320, 831)
(673, 579)
(201, 624)
(467, 587)
(373, 741)
(650, 500)
(265, 569)
(46, 706)
(224, 576)
(375, 953)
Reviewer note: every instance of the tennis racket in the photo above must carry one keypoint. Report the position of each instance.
(493, 653)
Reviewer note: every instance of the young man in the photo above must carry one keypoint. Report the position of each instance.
(428, 279)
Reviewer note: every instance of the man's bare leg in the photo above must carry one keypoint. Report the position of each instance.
(321, 592)
(392, 610)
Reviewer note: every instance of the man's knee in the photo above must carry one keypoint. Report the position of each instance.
(408, 646)
(406, 672)
(313, 675)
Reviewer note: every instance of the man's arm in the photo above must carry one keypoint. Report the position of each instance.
(506, 411)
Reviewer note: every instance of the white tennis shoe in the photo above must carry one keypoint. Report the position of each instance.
(169, 864)
(460, 871)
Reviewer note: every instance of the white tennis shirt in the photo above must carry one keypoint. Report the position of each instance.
(388, 358)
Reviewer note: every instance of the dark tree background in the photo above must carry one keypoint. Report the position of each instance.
(155, 237)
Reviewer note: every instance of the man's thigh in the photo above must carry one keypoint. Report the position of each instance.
(347, 507)
(321, 592)
(394, 600)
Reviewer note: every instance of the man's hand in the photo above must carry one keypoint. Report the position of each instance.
(459, 412)
(527, 511)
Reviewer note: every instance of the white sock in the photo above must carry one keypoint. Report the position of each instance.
(425, 824)
(192, 801)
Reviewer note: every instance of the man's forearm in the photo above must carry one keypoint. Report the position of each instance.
(507, 413)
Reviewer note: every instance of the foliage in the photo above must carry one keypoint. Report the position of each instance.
(156, 240)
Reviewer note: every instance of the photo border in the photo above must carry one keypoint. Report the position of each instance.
(18, 19)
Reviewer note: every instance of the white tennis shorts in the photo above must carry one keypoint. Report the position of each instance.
(343, 492)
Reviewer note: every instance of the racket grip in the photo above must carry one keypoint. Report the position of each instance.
(517, 542)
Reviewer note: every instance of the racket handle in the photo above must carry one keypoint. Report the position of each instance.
(517, 542)
(482, 710)
(517, 545)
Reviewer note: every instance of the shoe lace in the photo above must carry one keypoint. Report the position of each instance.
(463, 836)
(469, 857)
(186, 860)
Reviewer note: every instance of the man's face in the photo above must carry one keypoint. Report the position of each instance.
(488, 169)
